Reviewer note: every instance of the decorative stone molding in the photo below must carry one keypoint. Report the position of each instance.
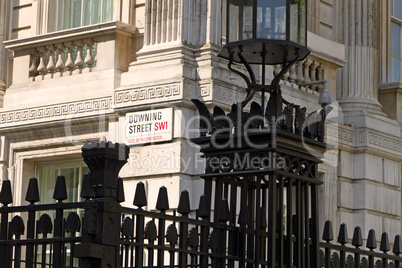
(377, 141)
(342, 135)
(146, 93)
(384, 142)
(205, 90)
(53, 112)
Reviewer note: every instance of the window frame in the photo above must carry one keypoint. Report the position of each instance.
(52, 15)
(398, 22)
(59, 163)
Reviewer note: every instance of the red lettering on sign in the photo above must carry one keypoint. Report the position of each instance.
(161, 125)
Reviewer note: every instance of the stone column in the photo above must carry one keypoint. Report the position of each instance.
(3, 56)
(359, 87)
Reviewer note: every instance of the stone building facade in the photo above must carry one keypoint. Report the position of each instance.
(74, 71)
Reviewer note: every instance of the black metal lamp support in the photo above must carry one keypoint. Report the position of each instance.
(252, 85)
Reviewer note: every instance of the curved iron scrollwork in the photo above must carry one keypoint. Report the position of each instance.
(285, 115)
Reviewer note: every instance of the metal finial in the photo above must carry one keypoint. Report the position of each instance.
(140, 198)
(184, 203)
(33, 191)
(60, 190)
(6, 196)
(162, 203)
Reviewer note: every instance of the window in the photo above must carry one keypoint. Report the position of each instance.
(47, 174)
(59, 15)
(73, 172)
(86, 12)
(396, 42)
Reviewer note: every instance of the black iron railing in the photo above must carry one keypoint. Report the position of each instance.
(232, 226)
(35, 240)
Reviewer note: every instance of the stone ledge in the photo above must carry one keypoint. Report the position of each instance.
(66, 35)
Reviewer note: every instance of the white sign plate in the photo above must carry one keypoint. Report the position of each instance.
(149, 126)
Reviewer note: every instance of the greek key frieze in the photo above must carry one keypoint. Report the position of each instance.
(385, 142)
(146, 93)
(54, 111)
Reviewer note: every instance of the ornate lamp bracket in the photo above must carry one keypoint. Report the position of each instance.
(252, 85)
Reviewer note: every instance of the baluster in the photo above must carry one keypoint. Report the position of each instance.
(70, 62)
(306, 65)
(42, 62)
(89, 59)
(300, 77)
(320, 77)
(33, 71)
(60, 65)
(285, 76)
(313, 75)
(51, 66)
(292, 74)
(277, 69)
(79, 61)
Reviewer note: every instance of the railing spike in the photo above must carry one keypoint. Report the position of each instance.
(357, 240)
(140, 198)
(343, 234)
(120, 191)
(6, 196)
(184, 203)
(223, 211)
(384, 245)
(60, 190)
(371, 242)
(203, 208)
(328, 235)
(162, 203)
(33, 191)
(87, 190)
(397, 249)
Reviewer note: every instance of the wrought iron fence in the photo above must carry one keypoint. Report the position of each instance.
(28, 239)
(106, 234)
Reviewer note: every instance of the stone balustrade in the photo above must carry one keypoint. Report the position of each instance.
(73, 51)
(62, 58)
(303, 72)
